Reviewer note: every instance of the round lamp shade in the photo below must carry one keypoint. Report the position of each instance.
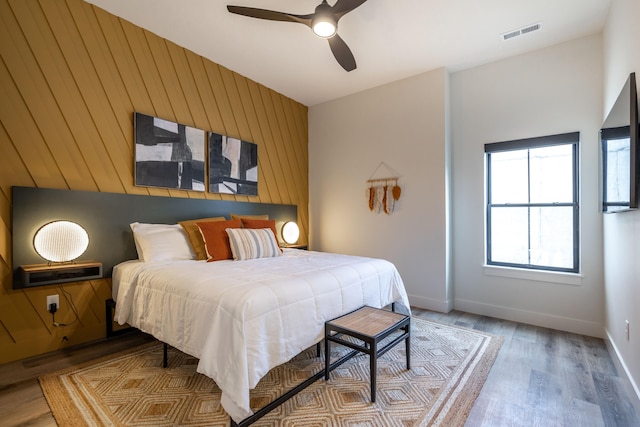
(290, 232)
(61, 241)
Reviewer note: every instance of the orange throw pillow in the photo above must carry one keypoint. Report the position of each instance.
(261, 223)
(216, 239)
(194, 235)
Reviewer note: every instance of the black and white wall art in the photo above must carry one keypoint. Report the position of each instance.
(168, 154)
(233, 165)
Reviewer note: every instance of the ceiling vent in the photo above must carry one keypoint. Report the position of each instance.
(521, 31)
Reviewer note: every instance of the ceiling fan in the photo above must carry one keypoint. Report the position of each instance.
(323, 22)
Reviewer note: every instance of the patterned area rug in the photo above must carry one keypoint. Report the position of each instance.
(448, 368)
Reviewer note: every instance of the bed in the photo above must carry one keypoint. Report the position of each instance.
(242, 318)
(239, 318)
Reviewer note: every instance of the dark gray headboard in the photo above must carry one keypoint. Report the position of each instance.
(106, 217)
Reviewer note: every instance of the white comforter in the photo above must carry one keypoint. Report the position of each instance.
(243, 318)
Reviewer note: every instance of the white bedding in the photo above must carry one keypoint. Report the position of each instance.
(242, 318)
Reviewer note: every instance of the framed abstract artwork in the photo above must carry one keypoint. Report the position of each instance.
(168, 154)
(233, 165)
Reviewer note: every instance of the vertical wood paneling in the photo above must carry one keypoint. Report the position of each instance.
(267, 162)
(126, 81)
(20, 83)
(188, 87)
(101, 93)
(282, 160)
(52, 99)
(108, 77)
(71, 77)
(146, 65)
(203, 89)
(81, 99)
(174, 104)
(125, 68)
(235, 103)
(214, 78)
(265, 182)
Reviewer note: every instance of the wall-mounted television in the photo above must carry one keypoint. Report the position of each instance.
(620, 152)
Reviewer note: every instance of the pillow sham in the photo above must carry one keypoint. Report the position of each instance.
(161, 242)
(237, 216)
(195, 237)
(251, 243)
(216, 240)
(260, 223)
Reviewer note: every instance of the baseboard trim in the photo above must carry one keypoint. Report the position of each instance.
(577, 326)
(632, 388)
(431, 304)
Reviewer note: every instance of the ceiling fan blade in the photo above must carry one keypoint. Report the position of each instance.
(270, 15)
(343, 7)
(342, 53)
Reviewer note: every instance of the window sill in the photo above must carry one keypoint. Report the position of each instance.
(534, 275)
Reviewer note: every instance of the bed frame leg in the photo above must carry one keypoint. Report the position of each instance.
(164, 354)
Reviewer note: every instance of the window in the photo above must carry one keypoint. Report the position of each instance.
(532, 203)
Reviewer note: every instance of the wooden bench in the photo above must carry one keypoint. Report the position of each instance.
(369, 325)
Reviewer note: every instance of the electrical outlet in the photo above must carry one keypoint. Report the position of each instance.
(626, 328)
(53, 299)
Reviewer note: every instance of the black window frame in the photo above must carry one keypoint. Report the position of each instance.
(572, 138)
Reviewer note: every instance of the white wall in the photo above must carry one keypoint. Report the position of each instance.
(406, 125)
(550, 91)
(622, 230)
(402, 124)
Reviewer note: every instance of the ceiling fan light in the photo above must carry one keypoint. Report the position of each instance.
(324, 28)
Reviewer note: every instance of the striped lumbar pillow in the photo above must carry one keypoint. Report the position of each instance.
(250, 243)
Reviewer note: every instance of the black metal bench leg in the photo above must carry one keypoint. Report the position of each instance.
(327, 356)
(373, 362)
(407, 343)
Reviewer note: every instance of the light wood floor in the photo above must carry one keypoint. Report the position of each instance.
(541, 377)
(544, 377)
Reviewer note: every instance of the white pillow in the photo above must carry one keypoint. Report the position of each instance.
(161, 242)
(250, 243)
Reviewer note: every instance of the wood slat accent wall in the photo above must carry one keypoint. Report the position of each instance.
(71, 77)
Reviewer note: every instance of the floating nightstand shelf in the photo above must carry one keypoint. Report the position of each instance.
(45, 274)
(304, 247)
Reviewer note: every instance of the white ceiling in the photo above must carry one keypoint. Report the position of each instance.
(390, 39)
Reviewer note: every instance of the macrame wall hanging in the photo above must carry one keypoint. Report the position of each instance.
(383, 192)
